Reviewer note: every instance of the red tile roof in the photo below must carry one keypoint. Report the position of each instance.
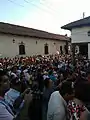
(25, 31)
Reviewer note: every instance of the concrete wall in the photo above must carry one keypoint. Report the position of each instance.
(80, 35)
(10, 49)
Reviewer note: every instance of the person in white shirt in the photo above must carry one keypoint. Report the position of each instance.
(57, 106)
(26, 74)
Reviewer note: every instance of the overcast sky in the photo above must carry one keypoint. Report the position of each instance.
(47, 15)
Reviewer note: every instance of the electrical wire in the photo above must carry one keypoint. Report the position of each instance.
(35, 5)
(30, 2)
(49, 6)
(15, 3)
(50, 10)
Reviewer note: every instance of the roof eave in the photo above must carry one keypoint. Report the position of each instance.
(70, 27)
(66, 28)
(36, 36)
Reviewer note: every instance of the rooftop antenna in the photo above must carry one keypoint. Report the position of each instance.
(83, 15)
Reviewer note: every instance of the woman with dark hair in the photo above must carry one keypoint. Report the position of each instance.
(76, 107)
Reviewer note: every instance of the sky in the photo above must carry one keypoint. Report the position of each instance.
(47, 15)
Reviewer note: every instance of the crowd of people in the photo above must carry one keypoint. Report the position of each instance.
(44, 88)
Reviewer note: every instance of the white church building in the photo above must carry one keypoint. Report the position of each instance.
(80, 35)
(18, 40)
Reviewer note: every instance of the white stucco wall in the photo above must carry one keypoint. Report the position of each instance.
(10, 49)
(80, 35)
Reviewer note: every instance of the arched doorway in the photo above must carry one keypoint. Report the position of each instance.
(21, 49)
(61, 51)
(46, 49)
